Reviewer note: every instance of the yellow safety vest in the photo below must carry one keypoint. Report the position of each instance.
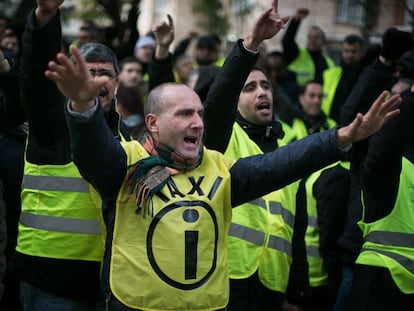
(176, 258)
(301, 131)
(317, 273)
(59, 218)
(388, 242)
(260, 236)
(289, 136)
(331, 78)
(304, 66)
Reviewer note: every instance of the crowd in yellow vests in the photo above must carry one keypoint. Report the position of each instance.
(158, 179)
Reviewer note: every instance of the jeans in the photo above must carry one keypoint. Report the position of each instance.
(36, 299)
(344, 289)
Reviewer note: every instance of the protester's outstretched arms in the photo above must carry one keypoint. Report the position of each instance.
(365, 125)
(75, 81)
(260, 174)
(97, 154)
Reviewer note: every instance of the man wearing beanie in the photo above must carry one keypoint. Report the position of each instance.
(143, 50)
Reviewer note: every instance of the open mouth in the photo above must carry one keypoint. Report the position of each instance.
(190, 140)
(263, 106)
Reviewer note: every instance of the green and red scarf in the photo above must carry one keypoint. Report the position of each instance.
(149, 175)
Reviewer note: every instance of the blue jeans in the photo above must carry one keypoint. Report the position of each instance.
(35, 299)
(344, 289)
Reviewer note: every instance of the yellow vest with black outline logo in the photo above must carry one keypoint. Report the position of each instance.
(260, 236)
(59, 218)
(388, 242)
(331, 78)
(304, 67)
(172, 255)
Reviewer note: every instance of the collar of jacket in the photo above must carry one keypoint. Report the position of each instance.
(269, 132)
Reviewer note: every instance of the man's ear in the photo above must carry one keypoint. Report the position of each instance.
(151, 121)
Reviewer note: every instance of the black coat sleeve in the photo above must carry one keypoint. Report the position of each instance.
(254, 176)
(160, 71)
(103, 162)
(381, 168)
(41, 99)
(290, 48)
(223, 96)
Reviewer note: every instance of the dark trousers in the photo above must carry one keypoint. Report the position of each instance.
(319, 299)
(11, 173)
(373, 289)
(251, 295)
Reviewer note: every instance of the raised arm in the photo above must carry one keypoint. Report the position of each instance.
(160, 68)
(97, 154)
(42, 101)
(223, 96)
(290, 48)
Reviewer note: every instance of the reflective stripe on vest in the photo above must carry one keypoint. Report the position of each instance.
(313, 251)
(397, 239)
(55, 183)
(275, 208)
(260, 238)
(402, 260)
(389, 241)
(257, 237)
(60, 224)
(59, 219)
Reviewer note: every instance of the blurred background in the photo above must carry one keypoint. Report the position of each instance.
(230, 19)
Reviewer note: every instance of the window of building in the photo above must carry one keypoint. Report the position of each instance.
(350, 11)
(240, 7)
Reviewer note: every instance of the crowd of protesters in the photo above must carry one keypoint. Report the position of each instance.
(134, 176)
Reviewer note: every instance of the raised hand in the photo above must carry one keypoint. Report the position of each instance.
(365, 125)
(75, 81)
(301, 13)
(164, 32)
(45, 10)
(266, 27)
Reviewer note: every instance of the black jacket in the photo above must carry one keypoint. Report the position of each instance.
(380, 171)
(373, 80)
(48, 143)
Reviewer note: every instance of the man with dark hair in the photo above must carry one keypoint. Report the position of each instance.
(339, 80)
(205, 51)
(310, 62)
(179, 189)
(60, 246)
